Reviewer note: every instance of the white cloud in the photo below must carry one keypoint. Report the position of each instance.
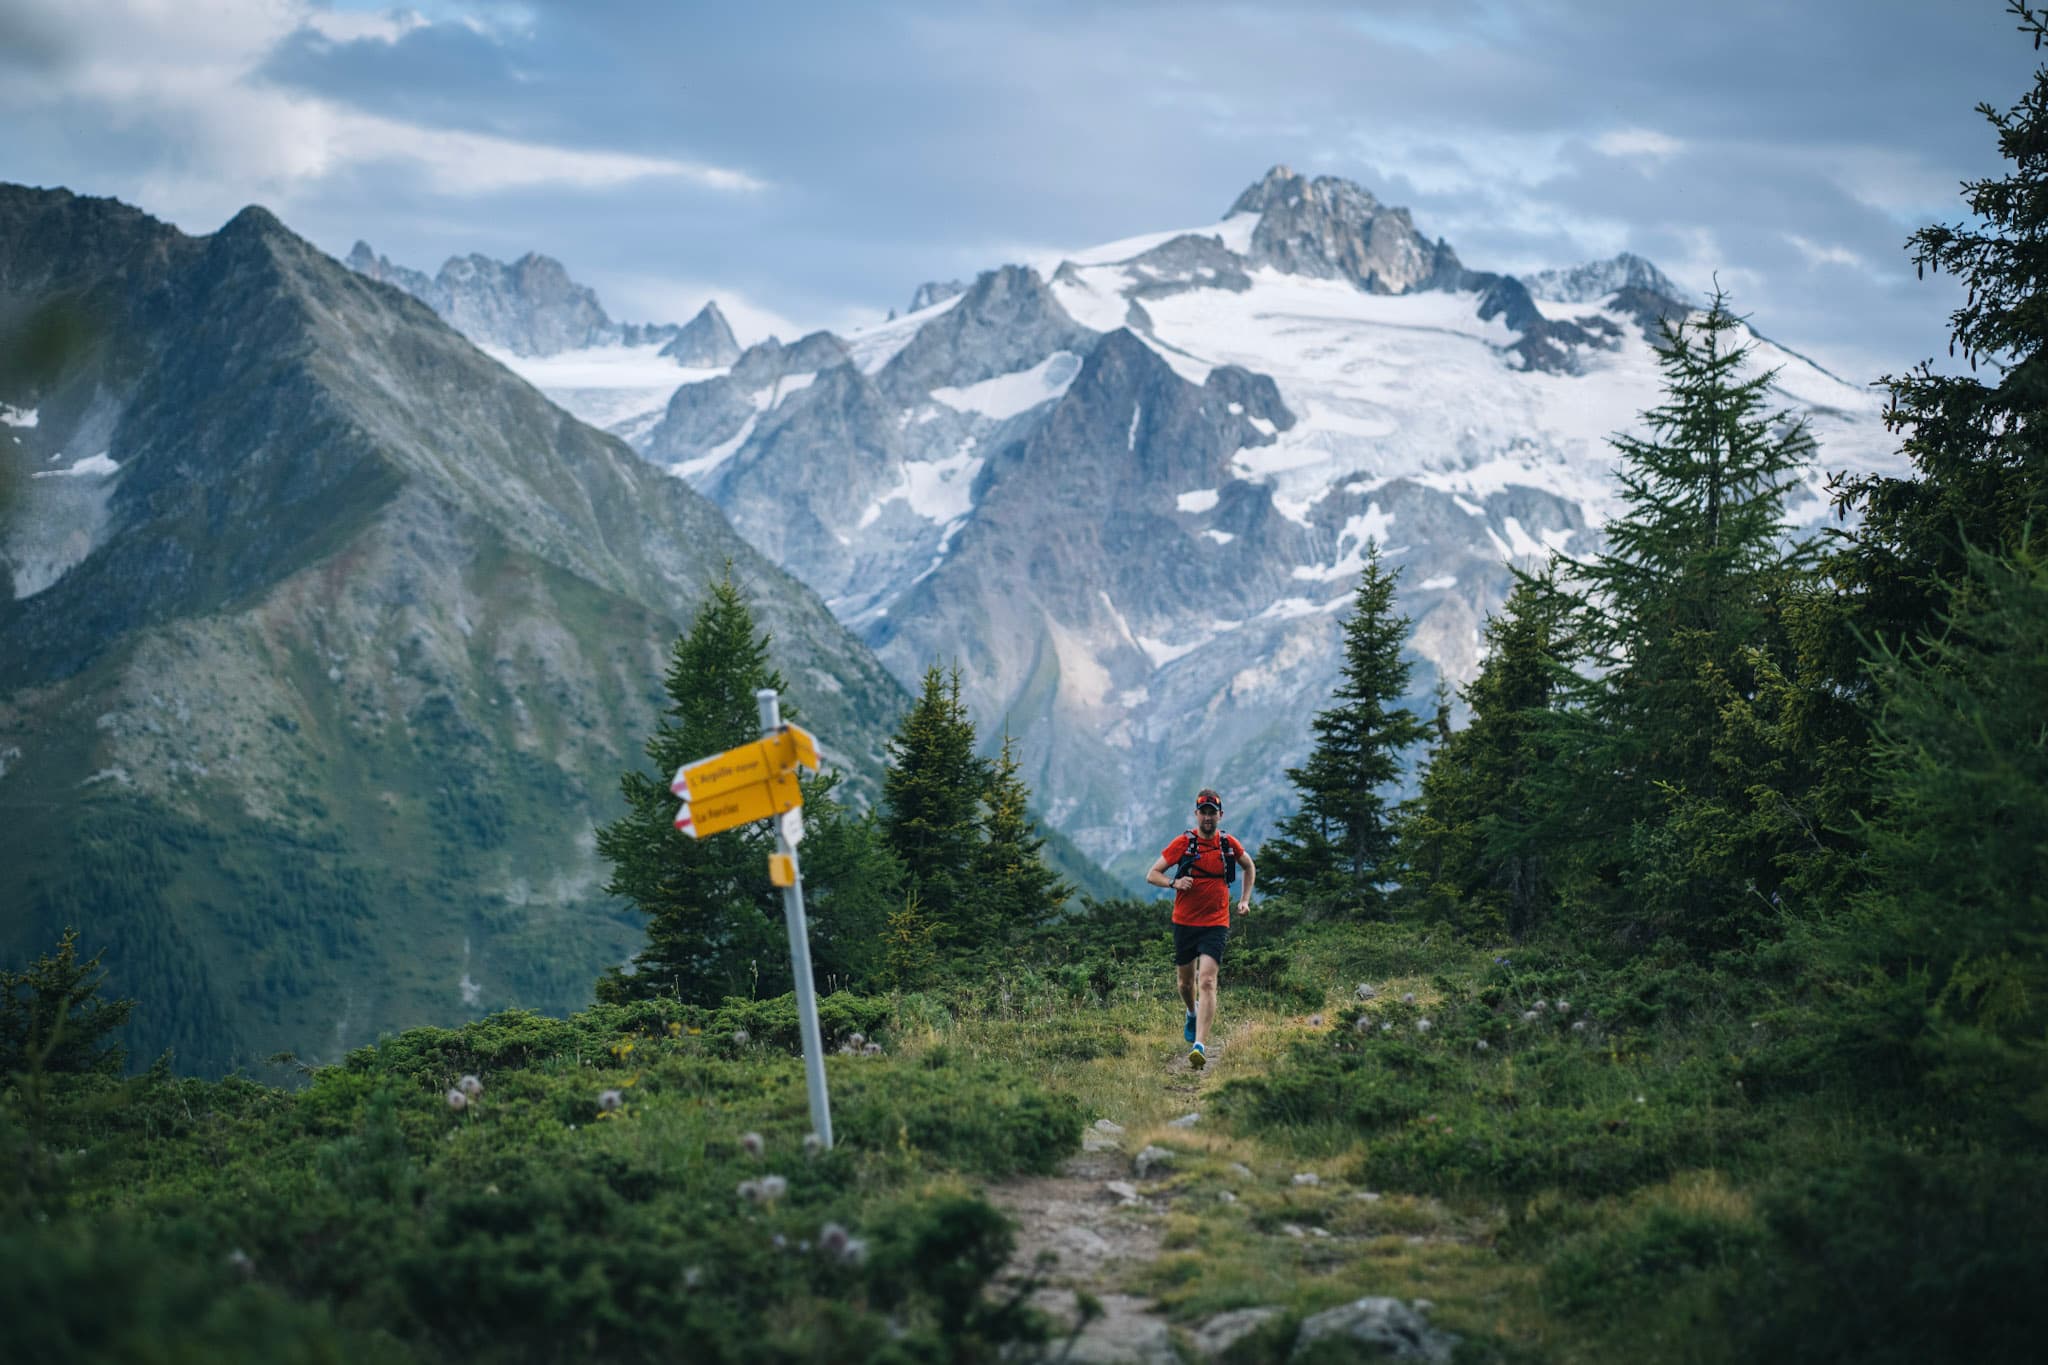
(1638, 142)
(350, 26)
(1818, 253)
(188, 73)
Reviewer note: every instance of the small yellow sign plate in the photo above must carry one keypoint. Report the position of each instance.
(750, 764)
(743, 805)
(781, 869)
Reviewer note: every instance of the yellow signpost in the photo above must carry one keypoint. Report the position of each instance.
(755, 782)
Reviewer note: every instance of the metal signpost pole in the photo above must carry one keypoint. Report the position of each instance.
(790, 823)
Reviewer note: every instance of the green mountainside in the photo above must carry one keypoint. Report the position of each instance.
(310, 711)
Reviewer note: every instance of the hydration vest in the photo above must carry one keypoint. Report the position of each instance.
(1190, 853)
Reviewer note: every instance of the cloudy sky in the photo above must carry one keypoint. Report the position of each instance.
(810, 163)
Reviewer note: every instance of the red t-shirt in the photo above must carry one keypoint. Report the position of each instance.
(1207, 902)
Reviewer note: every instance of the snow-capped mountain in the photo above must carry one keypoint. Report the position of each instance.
(1128, 489)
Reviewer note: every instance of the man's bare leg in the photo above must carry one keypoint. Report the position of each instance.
(1187, 984)
(1205, 1012)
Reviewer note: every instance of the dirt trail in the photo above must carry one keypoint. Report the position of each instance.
(1083, 1230)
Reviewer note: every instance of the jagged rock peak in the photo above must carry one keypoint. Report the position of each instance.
(706, 341)
(1595, 280)
(935, 291)
(1007, 320)
(1284, 185)
(1335, 229)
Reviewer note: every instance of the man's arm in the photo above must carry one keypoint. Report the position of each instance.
(1251, 874)
(1157, 877)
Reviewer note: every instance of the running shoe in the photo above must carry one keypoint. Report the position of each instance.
(1198, 1058)
(1189, 1032)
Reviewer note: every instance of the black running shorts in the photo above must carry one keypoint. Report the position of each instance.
(1191, 941)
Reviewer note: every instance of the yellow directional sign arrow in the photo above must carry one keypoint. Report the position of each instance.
(748, 765)
(799, 747)
(742, 805)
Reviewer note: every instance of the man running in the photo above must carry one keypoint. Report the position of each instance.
(1204, 863)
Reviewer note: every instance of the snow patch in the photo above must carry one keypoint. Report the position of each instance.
(1007, 395)
(937, 490)
(1436, 584)
(698, 467)
(1201, 500)
(93, 467)
(1220, 537)
(604, 385)
(1370, 525)
(17, 417)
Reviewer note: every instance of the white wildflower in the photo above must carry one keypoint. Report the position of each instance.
(857, 1039)
(470, 1086)
(457, 1101)
(1482, 1045)
(1408, 998)
(751, 1144)
(609, 1100)
(1528, 1016)
(1422, 1025)
(872, 1050)
(741, 1036)
(773, 1187)
(832, 1239)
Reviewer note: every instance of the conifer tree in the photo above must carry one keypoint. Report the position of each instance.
(1471, 851)
(1014, 889)
(931, 798)
(715, 925)
(1979, 481)
(1940, 968)
(1681, 615)
(1978, 441)
(1335, 850)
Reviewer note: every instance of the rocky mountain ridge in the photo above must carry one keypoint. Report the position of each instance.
(325, 640)
(531, 307)
(1128, 489)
